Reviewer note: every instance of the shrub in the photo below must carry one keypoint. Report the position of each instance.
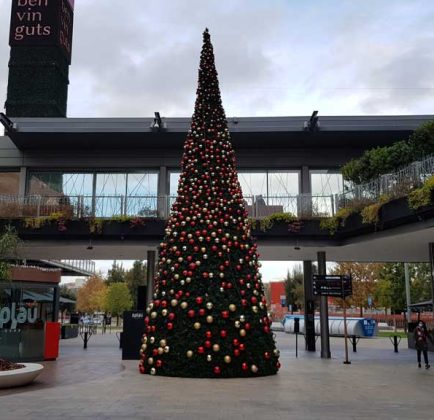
(268, 222)
(422, 196)
(371, 214)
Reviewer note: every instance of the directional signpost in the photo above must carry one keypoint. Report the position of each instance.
(335, 286)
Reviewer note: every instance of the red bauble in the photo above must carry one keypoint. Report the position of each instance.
(236, 352)
(158, 363)
(266, 329)
(267, 355)
(235, 342)
(217, 370)
(199, 300)
(169, 326)
(191, 313)
(208, 344)
(155, 352)
(201, 312)
(247, 326)
(208, 334)
(244, 366)
(171, 316)
(225, 314)
(242, 347)
(254, 300)
(223, 333)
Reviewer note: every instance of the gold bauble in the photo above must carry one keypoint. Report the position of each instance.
(166, 349)
(209, 358)
(209, 305)
(153, 371)
(255, 309)
(163, 342)
(216, 347)
(174, 302)
(243, 333)
(164, 312)
(144, 347)
(237, 324)
(152, 340)
(196, 325)
(184, 305)
(209, 319)
(160, 350)
(150, 361)
(189, 354)
(232, 307)
(153, 315)
(227, 359)
(254, 368)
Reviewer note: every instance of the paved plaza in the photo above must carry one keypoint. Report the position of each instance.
(96, 384)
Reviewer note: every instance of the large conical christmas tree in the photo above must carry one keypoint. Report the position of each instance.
(208, 317)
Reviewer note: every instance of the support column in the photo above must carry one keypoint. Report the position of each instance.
(150, 275)
(431, 261)
(305, 201)
(309, 307)
(163, 204)
(324, 311)
(407, 291)
(23, 182)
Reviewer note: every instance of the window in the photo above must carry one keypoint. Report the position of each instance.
(9, 183)
(325, 184)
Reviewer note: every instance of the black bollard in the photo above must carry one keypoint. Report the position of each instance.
(354, 343)
(395, 343)
(85, 339)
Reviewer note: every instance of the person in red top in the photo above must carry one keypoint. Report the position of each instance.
(421, 337)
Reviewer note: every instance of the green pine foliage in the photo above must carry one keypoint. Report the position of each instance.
(383, 160)
(208, 317)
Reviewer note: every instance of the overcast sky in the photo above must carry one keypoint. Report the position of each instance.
(274, 57)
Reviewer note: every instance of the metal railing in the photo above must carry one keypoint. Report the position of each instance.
(396, 184)
(78, 207)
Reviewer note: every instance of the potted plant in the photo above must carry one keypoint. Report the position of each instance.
(14, 374)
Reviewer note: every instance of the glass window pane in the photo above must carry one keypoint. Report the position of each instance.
(283, 183)
(253, 183)
(324, 185)
(9, 183)
(58, 183)
(325, 182)
(142, 184)
(173, 180)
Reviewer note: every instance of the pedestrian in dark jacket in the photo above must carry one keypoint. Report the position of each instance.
(421, 337)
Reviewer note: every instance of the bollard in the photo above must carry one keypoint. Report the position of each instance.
(85, 340)
(354, 343)
(395, 343)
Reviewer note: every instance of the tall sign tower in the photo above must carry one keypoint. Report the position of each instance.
(41, 46)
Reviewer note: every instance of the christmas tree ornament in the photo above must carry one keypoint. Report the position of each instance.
(208, 305)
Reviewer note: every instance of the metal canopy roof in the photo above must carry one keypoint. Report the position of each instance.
(247, 132)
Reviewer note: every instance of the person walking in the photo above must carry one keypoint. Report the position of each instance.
(421, 337)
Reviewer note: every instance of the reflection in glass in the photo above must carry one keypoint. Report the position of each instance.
(9, 183)
(324, 185)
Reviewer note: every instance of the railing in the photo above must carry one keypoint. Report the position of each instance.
(80, 265)
(303, 205)
(396, 184)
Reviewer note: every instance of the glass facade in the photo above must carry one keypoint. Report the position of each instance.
(103, 194)
(325, 184)
(9, 183)
(24, 309)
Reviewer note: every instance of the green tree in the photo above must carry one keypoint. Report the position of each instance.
(421, 285)
(9, 243)
(136, 277)
(383, 293)
(116, 274)
(294, 289)
(117, 300)
(392, 275)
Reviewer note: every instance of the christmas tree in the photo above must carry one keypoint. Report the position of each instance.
(208, 317)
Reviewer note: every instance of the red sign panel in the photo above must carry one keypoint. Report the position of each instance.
(41, 23)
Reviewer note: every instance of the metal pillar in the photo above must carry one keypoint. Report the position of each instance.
(309, 307)
(163, 193)
(150, 274)
(22, 182)
(324, 312)
(407, 291)
(431, 261)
